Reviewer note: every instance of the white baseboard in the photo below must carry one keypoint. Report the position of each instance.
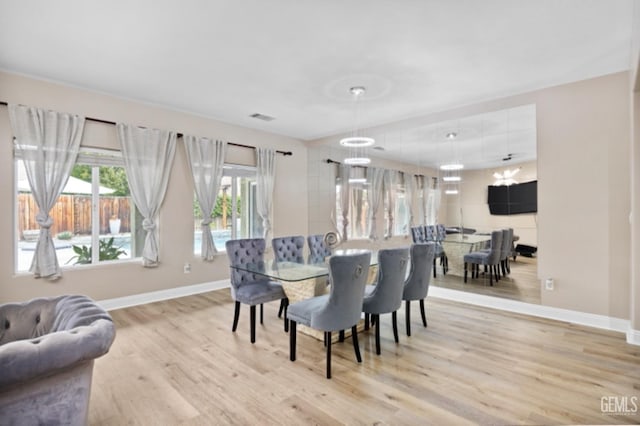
(157, 296)
(559, 314)
(633, 336)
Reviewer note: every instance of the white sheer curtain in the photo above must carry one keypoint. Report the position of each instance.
(148, 157)
(206, 159)
(409, 195)
(434, 196)
(48, 143)
(344, 173)
(375, 177)
(421, 193)
(390, 183)
(266, 161)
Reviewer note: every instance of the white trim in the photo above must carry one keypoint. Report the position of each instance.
(157, 296)
(549, 312)
(633, 336)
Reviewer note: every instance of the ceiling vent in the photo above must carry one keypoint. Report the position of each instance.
(262, 117)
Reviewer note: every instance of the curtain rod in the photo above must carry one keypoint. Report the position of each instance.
(330, 161)
(99, 120)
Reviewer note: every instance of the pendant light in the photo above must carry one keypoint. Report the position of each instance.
(356, 143)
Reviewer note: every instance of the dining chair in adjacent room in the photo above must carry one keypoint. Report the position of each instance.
(431, 234)
(340, 309)
(507, 250)
(385, 296)
(416, 286)
(318, 248)
(247, 287)
(490, 258)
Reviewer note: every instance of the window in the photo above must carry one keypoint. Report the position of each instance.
(235, 215)
(94, 219)
(358, 226)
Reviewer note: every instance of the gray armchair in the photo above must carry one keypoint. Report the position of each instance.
(386, 295)
(416, 286)
(47, 351)
(247, 287)
(340, 309)
(318, 248)
(490, 258)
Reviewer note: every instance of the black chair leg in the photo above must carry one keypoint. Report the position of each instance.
(236, 315)
(465, 272)
(341, 336)
(252, 315)
(285, 302)
(434, 267)
(422, 312)
(261, 313)
(328, 334)
(377, 333)
(356, 346)
(281, 308)
(394, 322)
(292, 340)
(366, 321)
(407, 314)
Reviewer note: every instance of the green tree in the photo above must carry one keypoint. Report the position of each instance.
(111, 177)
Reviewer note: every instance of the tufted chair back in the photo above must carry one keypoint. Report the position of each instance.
(318, 249)
(430, 233)
(441, 232)
(241, 252)
(418, 234)
(288, 249)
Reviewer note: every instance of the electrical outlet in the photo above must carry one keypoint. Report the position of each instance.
(549, 284)
(187, 268)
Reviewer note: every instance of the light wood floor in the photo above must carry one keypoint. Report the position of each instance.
(178, 363)
(521, 284)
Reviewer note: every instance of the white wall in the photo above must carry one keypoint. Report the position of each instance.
(583, 171)
(472, 199)
(176, 217)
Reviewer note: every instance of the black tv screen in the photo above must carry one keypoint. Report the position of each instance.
(513, 199)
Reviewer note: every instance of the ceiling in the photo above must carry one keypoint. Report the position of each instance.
(295, 60)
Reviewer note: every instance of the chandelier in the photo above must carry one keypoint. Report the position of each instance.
(357, 143)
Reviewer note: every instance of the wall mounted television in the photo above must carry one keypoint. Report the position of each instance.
(513, 199)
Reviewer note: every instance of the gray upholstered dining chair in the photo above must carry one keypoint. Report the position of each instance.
(247, 287)
(490, 258)
(507, 244)
(340, 309)
(432, 233)
(418, 234)
(416, 286)
(289, 249)
(318, 248)
(385, 296)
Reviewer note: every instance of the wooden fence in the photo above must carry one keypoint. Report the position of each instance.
(73, 213)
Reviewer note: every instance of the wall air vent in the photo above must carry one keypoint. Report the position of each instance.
(262, 117)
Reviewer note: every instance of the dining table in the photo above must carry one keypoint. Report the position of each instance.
(305, 280)
(457, 245)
